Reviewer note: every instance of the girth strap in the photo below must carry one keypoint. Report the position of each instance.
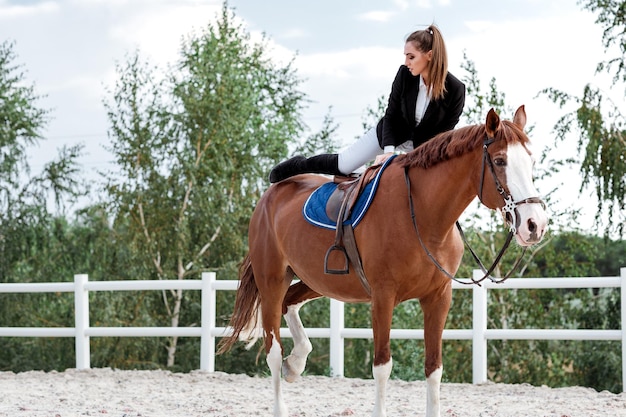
(345, 242)
(353, 253)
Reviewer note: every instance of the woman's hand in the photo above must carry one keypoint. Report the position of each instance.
(380, 159)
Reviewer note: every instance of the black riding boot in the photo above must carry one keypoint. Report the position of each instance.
(321, 164)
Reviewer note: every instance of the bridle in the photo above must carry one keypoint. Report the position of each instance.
(509, 211)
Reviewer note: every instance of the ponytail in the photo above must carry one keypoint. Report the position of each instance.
(427, 40)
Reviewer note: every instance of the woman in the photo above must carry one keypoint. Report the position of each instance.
(425, 100)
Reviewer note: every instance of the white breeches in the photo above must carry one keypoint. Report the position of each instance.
(364, 150)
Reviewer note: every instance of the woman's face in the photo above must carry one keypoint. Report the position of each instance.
(416, 60)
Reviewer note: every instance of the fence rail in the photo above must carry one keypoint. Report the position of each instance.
(208, 331)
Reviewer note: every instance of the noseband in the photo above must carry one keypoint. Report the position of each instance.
(510, 213)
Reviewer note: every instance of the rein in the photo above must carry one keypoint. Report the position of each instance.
(509, 210)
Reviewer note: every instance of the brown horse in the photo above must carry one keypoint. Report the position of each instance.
(491, 161)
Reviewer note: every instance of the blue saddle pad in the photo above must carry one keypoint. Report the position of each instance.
(314, 209)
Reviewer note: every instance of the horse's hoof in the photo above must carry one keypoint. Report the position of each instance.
(289, 375)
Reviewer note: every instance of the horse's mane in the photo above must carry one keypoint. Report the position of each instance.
(454, 143)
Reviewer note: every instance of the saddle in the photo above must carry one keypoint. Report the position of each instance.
(339, 208)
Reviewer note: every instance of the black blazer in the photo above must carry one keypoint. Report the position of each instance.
(398, 124)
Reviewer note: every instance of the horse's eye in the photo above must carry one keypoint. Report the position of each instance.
(500, 162)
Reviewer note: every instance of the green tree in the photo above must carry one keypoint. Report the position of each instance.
(487, 233)
(599, 123)
(24, 197)
(28, 222)
(193, 150)
(323, 141)
(563, 253)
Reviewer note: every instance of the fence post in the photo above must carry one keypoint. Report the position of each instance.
(81, 322)
(623, 309)
(336, 339)
(208, 317)
(479, 324)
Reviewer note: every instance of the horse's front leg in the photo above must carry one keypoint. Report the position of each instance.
(435, 310)
(382, 313)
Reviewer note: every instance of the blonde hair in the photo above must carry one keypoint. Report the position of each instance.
(427, 40)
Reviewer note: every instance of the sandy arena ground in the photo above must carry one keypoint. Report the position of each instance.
(106, 392)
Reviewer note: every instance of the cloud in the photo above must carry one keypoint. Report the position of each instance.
(158, 32)
(424, 4)
(428, 4)
(108, 3)
(276, 52)
(399, 6)
(9, 11)
(480, 26)
(402, 4)
(370, 63)
(526, 60)
(377, 16)
(294, 33)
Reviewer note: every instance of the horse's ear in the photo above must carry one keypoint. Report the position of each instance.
(493, 123)
(520, 117)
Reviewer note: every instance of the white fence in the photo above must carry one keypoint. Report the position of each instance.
(208, 332)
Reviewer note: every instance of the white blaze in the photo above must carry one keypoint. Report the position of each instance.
(533, 220)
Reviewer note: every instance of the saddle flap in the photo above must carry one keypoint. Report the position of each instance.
(344, 197)
(347, 192)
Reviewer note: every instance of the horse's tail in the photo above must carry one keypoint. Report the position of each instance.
(246, 318)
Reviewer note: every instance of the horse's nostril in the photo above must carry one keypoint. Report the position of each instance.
(532, 226)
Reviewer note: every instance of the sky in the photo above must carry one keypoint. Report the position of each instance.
(346, 51)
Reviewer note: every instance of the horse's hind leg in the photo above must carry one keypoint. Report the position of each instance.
(273, 292)
(297, 295)
(274, 360)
